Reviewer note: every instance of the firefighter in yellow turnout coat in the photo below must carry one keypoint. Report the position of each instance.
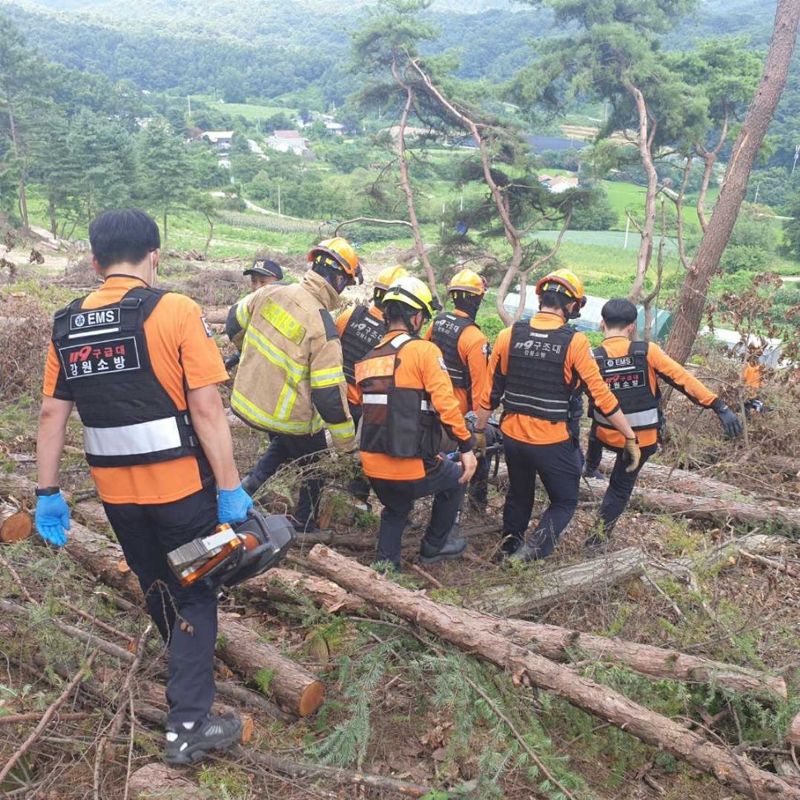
(290, 380)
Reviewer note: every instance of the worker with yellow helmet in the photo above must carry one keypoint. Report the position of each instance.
(466, 355)
(361, 328)
(534, 370)
(290, 381)
(407, 400)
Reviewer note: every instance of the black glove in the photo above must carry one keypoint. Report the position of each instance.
(731, 424)
(232, 361)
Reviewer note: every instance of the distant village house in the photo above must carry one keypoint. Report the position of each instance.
(288, 142)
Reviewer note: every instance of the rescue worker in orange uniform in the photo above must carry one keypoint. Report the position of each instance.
(535, 368)
(466, 355)
(631, 369)
(141, 367)
(407, 398)
(753, 379)
(360, 329)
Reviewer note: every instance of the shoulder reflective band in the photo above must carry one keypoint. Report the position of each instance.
(400, 340)
(636, 419)
(383, 400)
(380, 367)
(131, 440)
(283, 322)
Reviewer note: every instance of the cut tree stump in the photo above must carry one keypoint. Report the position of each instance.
(539, 589)
(291, 685)
(455, 626)
(16, 524)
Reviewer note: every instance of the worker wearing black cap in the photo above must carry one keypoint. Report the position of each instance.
(263, 273)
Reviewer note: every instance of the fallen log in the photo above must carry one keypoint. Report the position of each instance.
(720, 510)
(288, 584)
(546, 587)
(562, 644)
(455, 626)
(333, 775)
(290, 683)
(294, 687)
(16, 524)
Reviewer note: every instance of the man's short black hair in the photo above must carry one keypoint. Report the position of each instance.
(619, 313)
(555, 300)
(123, 235)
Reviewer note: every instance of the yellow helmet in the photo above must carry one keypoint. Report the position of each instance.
(564, 281)
(467, 281)
(342, 256)
(386, 277)
(412, 292)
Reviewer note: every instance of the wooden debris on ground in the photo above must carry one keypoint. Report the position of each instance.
(455, 626)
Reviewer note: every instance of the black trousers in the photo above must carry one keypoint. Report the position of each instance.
(398, 499)
(620, 488)
(359, 485)
(304, 450)
(185, 617)
(558, 467)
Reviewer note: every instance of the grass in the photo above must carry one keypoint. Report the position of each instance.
(252, 112)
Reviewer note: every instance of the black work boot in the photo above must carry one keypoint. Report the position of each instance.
(510, 544)
(593, 472)
(210, 733)
(251, 484)
(524, 553)
(452, 548)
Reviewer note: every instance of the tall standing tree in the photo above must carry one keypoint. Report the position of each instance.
(692, 299)
(20, 84)
(165, 170)
(615, 55)
(383, 50)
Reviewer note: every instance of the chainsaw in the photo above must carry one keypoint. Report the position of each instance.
(233, 554)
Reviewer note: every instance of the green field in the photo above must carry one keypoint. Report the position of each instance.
(250, 111)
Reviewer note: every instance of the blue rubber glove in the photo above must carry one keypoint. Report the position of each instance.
(52, 519)
(233, 505)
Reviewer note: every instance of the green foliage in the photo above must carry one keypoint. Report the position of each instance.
(751, 244)
(596, 215)
(347, 744)
(263, 679)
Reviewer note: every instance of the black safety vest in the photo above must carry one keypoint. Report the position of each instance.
(628, 377)
(128, 416)
(396, 421)
(361, 334)
(535, 383)
(446, 331)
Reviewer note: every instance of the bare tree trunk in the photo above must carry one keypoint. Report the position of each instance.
(453, 625)
(692, 300)
(23, 197)
(646, 134)
(709, 159)
(512, 234)
(405, 181)
(647, 300)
